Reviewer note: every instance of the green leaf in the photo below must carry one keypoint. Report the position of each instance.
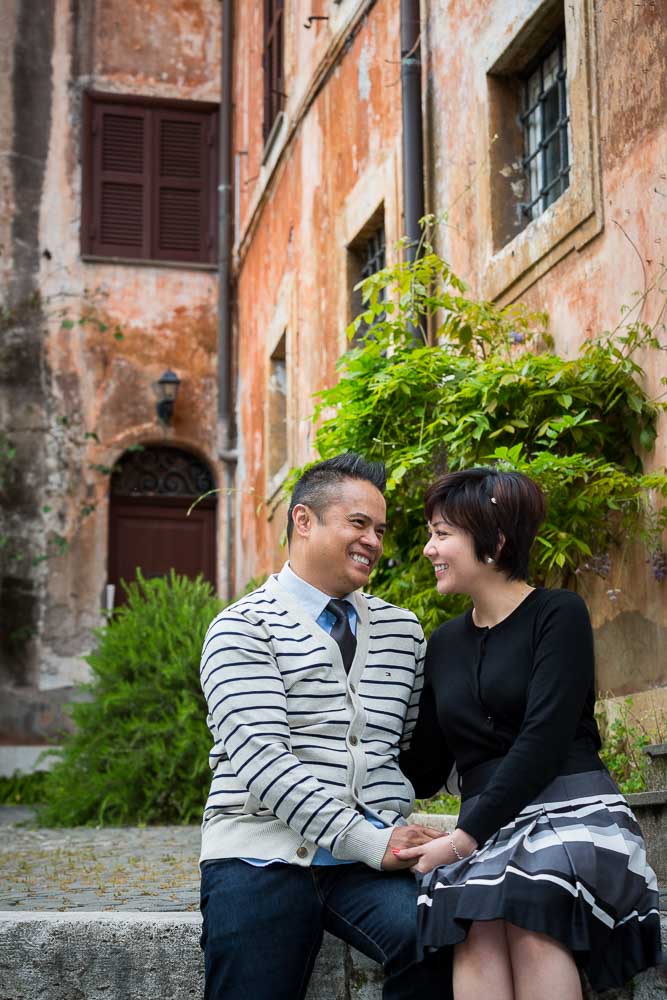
(647, 438)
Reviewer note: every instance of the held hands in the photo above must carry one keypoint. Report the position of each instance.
(438, 851)
(404, 837)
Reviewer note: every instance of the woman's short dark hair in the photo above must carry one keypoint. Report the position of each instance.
(319, 485)
(486, 502)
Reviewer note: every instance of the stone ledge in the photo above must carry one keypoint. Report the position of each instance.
(647, 799)
(20, 759)
(131, 956)
(439, 821)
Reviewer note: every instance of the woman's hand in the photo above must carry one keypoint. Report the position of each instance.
(439, 851)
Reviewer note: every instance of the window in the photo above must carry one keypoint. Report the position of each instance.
(272, 63)
(545, 120)
(149, 180)
(367, 255)
(277, 416)
(544, 192)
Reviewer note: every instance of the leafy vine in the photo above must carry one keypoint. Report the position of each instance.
(489, 388)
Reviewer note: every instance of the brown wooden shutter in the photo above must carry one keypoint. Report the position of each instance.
(120, 211)
(150, 173)
(181, 228)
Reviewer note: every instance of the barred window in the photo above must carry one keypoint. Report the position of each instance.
(374, 258)
(368, 254)
(278, 453)
(545, 121)
(272, 63)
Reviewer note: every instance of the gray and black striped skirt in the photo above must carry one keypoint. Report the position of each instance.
(572, 865)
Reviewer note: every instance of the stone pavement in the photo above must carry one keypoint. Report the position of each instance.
(112, 914)
(114, 868)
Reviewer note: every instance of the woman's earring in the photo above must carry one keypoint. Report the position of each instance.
(489, 560)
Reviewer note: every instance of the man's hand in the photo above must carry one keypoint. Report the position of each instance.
(426, 857)
(403, 837)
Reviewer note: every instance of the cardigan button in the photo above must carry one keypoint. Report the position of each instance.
(353, 741)
(302, 852)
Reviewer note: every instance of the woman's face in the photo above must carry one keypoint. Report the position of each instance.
(451, 552)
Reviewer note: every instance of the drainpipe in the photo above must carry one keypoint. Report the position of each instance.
(413, 151)
(227, 450)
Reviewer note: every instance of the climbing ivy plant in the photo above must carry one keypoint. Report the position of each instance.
(443, 381)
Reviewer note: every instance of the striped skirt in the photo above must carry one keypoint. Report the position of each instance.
(572, 865)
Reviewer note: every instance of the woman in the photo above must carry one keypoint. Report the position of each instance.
(546, 871)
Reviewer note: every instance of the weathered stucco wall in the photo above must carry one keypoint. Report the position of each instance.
(335, 162)
(584, 291)
(297, 205)
(74, 381)
(24, 381)
(341, 163)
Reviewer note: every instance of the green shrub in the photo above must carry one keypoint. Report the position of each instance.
(139, 753)
(623, 740)
(443, 803)
(491, 390)
(23, 789)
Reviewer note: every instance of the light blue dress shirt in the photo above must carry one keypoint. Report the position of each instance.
(314, 602)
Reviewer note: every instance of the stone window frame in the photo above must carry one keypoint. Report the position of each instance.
(377, 189)
(510, 267)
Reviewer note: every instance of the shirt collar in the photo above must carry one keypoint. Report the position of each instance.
(312, 600)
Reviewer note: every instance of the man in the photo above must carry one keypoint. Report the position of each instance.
(312, 688)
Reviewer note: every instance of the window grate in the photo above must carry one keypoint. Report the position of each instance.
(546, 130)
(371, 257)
(374, 255)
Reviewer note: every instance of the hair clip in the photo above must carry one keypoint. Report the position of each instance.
(493, 500)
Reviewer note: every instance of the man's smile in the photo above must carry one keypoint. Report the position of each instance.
(364, 560)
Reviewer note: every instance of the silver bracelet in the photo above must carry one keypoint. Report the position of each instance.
(457, 853)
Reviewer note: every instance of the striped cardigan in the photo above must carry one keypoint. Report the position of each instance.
(300, 748)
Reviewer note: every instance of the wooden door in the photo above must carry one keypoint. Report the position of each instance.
(157, 536)
(152, 490)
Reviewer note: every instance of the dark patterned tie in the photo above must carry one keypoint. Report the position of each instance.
(342, 632)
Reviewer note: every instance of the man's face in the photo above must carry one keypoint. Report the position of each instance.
(337, 553)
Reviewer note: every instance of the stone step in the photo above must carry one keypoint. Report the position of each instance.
(130, 956)
(25, 759)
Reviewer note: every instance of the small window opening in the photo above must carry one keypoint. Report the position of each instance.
(273, 64)
(368, 255)
(277, 415)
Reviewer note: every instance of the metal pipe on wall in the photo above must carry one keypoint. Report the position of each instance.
(413, 148)
(227, 451)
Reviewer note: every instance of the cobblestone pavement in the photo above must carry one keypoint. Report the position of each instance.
(115, 868)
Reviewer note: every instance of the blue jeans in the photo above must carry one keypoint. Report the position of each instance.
(263, 929)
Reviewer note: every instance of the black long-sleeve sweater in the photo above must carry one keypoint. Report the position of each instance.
(522, 691)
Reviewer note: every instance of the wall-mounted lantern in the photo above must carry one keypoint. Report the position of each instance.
(167, 385)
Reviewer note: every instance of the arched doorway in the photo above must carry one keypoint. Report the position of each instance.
(151, 491)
